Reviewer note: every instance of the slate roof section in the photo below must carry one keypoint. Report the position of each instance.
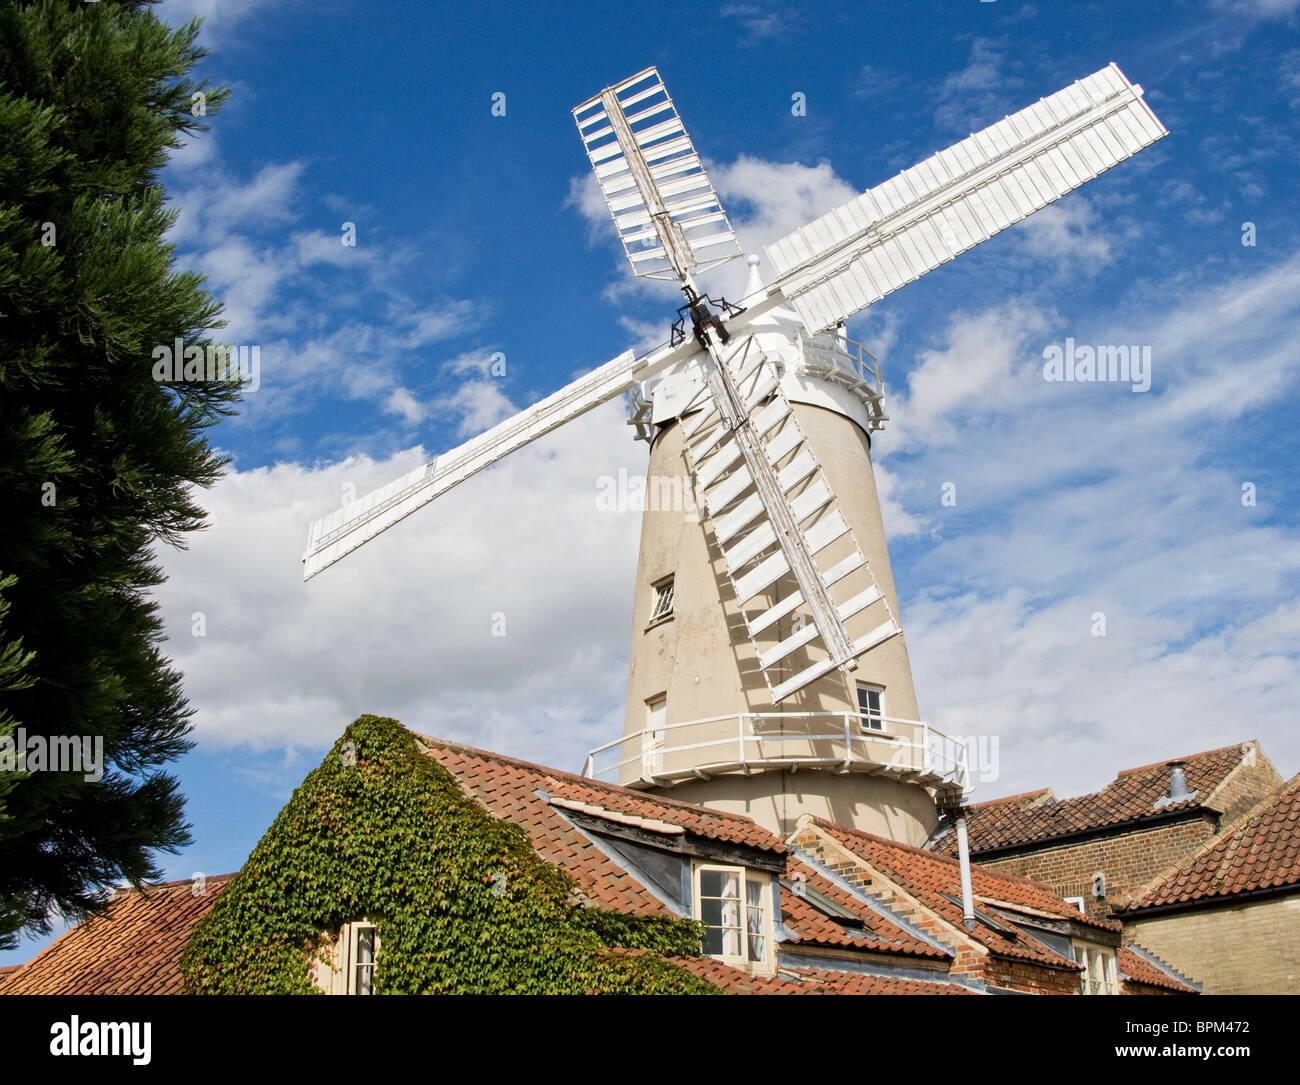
(1260, 852)
(133, 947)
(1128, 799)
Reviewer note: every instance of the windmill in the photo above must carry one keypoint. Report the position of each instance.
(766, 638)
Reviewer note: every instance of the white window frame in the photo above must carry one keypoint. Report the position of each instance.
(654, 737)
(1078, 903)
(338, 974)
(747, 877)
(859, 687)
(1100, 969)
(661, 604)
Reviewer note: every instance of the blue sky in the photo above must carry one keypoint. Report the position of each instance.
(479, 234)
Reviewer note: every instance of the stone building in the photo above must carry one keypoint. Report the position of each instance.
(1229, 913)
(830, 909)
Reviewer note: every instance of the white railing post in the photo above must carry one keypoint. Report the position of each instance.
(740, 738)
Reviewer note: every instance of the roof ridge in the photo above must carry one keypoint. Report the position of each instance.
(208, 879)
(1161, 878)
(1185, 757)
(990, 872)
(1008, 798)
(585, 781)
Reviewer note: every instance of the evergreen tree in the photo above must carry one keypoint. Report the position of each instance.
(98, 460)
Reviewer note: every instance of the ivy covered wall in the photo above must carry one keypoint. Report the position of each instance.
(382, 831)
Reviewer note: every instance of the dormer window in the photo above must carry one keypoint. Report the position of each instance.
(871, 706)
(663, 599)
(735, 906)
(1099, 969)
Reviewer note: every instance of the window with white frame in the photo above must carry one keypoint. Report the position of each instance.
(1078, 903)
(871, 706)
(663, 599)
(361, 962)
(735, 906)
(652, 738)
(349, 969)
(1099, 969)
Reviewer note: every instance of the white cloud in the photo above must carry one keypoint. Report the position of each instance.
(1074, 500)
(976, 96)
(981, 369)
(319, 247)
(774, 198)
(480, 403)
(1071, 235)
(401, 402)
(219, 17)
(1259, 9)
(404, 626)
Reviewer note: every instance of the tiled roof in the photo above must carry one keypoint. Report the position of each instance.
(807, 924)
(1130, 797)
(509, 790)
(133, 947)
(518, 791)
(811, 981)
(1262, 851)
(935, 879)
(1134, 965)
(6, 973)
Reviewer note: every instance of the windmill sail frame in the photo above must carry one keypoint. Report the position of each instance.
(894, 233)
(664, 207)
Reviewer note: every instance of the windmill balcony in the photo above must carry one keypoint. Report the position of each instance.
(753, 742)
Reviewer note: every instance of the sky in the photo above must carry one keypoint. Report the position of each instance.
(1174, 512)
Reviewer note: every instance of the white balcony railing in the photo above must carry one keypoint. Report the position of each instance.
(751, 742)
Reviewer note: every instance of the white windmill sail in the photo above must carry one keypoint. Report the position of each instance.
(736, 513)
(667, 214)
(665, 210)
(768, 504)
(894, 233)
(342, 531)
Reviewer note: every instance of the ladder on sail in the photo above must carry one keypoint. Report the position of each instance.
(735, 512)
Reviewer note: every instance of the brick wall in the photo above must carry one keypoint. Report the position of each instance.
(1128, 859)
(1249, 948)
(1247, 785)
(1030, 978)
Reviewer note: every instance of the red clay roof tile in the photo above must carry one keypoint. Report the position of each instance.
(935, 879)
(1131, 796)
(1261, 851)
(133, 947)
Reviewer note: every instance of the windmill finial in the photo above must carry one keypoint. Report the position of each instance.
(755, 283)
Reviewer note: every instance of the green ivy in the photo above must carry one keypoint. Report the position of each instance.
(390, 836)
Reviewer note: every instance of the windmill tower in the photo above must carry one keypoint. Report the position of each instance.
(768, 670)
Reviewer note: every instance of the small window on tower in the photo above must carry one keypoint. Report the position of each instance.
(871, 707)
(663, 602)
